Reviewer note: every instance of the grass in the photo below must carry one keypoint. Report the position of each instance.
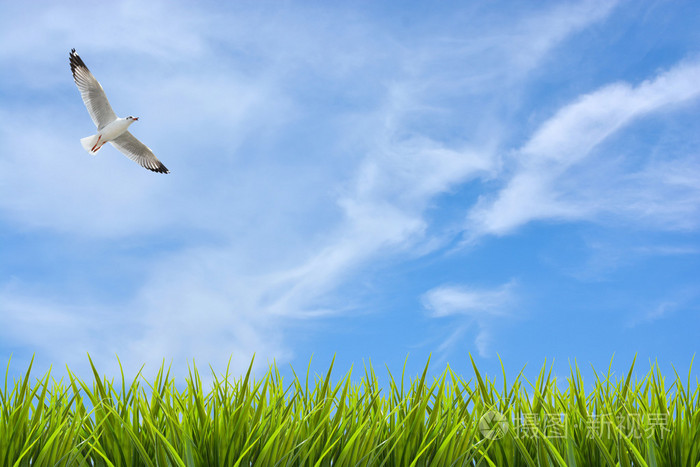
(237, 421)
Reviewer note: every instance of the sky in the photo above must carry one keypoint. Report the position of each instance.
(379, 181)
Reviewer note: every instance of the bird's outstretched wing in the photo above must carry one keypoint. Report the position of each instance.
(138, 152)
(93, 95)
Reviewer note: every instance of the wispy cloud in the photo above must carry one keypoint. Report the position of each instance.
(546, 186)
(678, 301)
(460, 300)
(481, 306)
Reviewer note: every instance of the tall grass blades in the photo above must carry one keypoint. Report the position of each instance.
(243, 421)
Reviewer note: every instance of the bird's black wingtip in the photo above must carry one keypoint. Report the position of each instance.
(76, 62)
(161, 169)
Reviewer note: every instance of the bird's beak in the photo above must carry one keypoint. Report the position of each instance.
(136, 118)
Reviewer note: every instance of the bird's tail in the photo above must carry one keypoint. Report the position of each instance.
(90, 144)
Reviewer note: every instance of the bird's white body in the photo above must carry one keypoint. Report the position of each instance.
(116, 128)
(112, 131)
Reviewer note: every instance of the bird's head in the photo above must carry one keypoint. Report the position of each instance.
(132, 119)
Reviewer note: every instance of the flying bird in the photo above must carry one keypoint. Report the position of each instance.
(110, 128)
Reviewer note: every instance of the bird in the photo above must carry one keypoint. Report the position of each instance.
(110, 128)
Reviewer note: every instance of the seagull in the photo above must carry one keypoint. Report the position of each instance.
(110, 128)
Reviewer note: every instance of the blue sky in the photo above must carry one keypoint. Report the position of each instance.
(372, 180)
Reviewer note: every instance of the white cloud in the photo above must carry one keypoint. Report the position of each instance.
(481, 306)
(680, 300)
(576, 129)
(661, 310)
(178, 317)
(483, 342)
(537, 35)
(65, 332)
(450, 300)
(664, 194)
(551, 180)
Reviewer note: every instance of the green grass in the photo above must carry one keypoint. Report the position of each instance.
(236, 421)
